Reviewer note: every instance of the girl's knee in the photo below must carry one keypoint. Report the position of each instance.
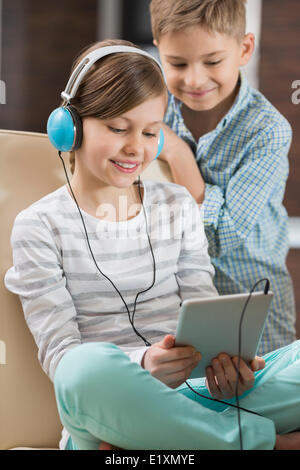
(87, 364)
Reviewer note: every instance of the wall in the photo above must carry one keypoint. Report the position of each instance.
(279, 68)
(39, 42)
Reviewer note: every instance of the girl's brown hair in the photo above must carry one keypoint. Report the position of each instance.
(115, 84)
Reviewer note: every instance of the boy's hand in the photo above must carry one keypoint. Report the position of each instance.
(174, 145)
(170, 364)
(221, 376)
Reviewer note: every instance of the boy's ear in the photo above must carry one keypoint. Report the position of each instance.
(155, 42)
(247, 48)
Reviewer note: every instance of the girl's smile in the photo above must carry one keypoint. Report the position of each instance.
(126, 167)
(114, 152)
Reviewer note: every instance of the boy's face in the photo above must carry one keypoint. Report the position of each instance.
(201, 67)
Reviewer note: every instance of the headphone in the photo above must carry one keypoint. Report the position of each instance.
(64, 126)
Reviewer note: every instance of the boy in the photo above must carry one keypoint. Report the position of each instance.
(228, 146)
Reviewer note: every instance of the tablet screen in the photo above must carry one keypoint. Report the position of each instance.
(211, 325)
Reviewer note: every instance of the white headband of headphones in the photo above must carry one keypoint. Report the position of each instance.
(90, 59)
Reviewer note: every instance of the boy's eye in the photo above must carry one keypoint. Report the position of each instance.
(178, 65)
(213, 63)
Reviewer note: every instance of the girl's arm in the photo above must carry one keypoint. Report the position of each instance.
(38, 279)
(195, 279)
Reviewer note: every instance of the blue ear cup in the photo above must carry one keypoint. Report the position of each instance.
(64, 129)
(161, 141)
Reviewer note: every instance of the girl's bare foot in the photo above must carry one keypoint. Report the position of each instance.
(289, 441)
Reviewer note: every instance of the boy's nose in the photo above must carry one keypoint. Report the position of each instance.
(194, 77)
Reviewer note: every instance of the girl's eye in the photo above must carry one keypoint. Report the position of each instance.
(149, 134)
(116, 130)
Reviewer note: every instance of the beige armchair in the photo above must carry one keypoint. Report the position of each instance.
(29, 169)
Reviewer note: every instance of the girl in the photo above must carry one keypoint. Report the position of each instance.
(102, 265)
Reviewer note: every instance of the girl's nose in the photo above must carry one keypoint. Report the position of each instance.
(133, 145)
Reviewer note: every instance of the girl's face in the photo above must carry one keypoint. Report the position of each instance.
(115, 151)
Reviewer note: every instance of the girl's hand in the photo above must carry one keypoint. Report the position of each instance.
(170, 364)
(221, 376)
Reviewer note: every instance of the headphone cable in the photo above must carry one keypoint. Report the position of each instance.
(131, 319)
(237, 406)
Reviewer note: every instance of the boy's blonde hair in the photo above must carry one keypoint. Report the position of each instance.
(222, 16)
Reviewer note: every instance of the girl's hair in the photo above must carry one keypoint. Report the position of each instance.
(222, 16)
(116, 83)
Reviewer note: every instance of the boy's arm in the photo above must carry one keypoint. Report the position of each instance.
(195, 271)
(230, 215)
(181, 160)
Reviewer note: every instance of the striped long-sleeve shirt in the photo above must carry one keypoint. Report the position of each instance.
(66, 301)
(244, 162)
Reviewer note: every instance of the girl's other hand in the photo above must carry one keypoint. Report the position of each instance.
(221, 376)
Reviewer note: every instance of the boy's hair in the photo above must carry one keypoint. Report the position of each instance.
(222, 16)
(116, 83)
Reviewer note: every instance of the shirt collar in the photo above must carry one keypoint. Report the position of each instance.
(240, 101)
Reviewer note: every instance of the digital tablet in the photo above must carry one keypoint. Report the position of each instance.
(211, 325)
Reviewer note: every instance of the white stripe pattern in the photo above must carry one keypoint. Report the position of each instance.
(66, 301)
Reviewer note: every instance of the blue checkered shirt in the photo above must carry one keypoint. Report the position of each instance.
(244, 162)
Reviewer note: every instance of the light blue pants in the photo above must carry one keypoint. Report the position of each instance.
(102, 395)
